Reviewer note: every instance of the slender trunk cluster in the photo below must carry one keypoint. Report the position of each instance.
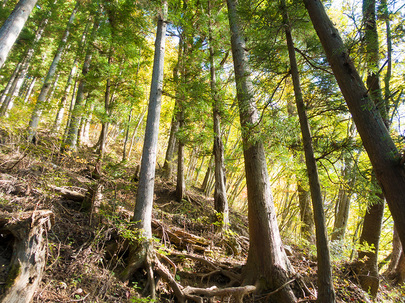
(39, 106)
(72, 131)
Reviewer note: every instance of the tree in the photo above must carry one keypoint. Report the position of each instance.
(13, 26)
(220, 198)
(384, 156)
(326, 291)
(144, 196)
(267, 260)
(37, 112)
(72, 130)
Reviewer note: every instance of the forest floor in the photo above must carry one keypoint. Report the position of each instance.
(83, 258)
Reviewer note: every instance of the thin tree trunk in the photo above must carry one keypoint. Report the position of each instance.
(168, 166)
(104, 128)
(267, 260)
(326, 292)
(18, 81)
(220, 198)
(208, 174)
(62, 103)
(72, 74)
(30, 88)
(76, 116)
(383, 153)
(124, 152)
(37, 112)
(7, 89)
(71, 106)
(395, 254)
(307, 216)
(345, 193)
(171, 147)
(13, 26)
(180, 184)
(84, 137)
(131, 145)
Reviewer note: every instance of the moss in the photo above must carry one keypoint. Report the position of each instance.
(13, 273)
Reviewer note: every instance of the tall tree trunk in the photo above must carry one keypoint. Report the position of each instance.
(370, 236)
(62, 103)
(29, 90)
(345, 192)
(181, 183)
(144, 196)
(383, 154)
(208, 174)
(306, 214)
(105, 124)
(13, 26)
(37, 112)
(140, 119)
(72, 74)
(7, 89)
(171, 147)
(26, 62)
(367, 266)
(267, 260)
(126, 138)
(84, 133)
(395, 254)
(326, 291)
(76, 115)
(141, 254)
(220, 198)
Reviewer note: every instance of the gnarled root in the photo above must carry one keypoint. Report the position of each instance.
(141, 255)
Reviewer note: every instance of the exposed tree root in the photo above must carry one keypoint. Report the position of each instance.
(216, 268)
(193, 293)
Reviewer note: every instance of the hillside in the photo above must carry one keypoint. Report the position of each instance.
(86, 251)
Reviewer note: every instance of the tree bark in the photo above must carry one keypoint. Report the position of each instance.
(72, 74)
(26, 62)
(29, 91)
(144, 196)
(37, 112)
(306, 214)
(7, 89)
(76, 115)
(171, 147)
(140, 119)
(181, 183)
(370, 236)
(383, 154)
(29, 253)
(13, 26)
(267, 260)
(220, 197)
(126, 138)
(344, 194)
(367, 266)
(326, 292)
